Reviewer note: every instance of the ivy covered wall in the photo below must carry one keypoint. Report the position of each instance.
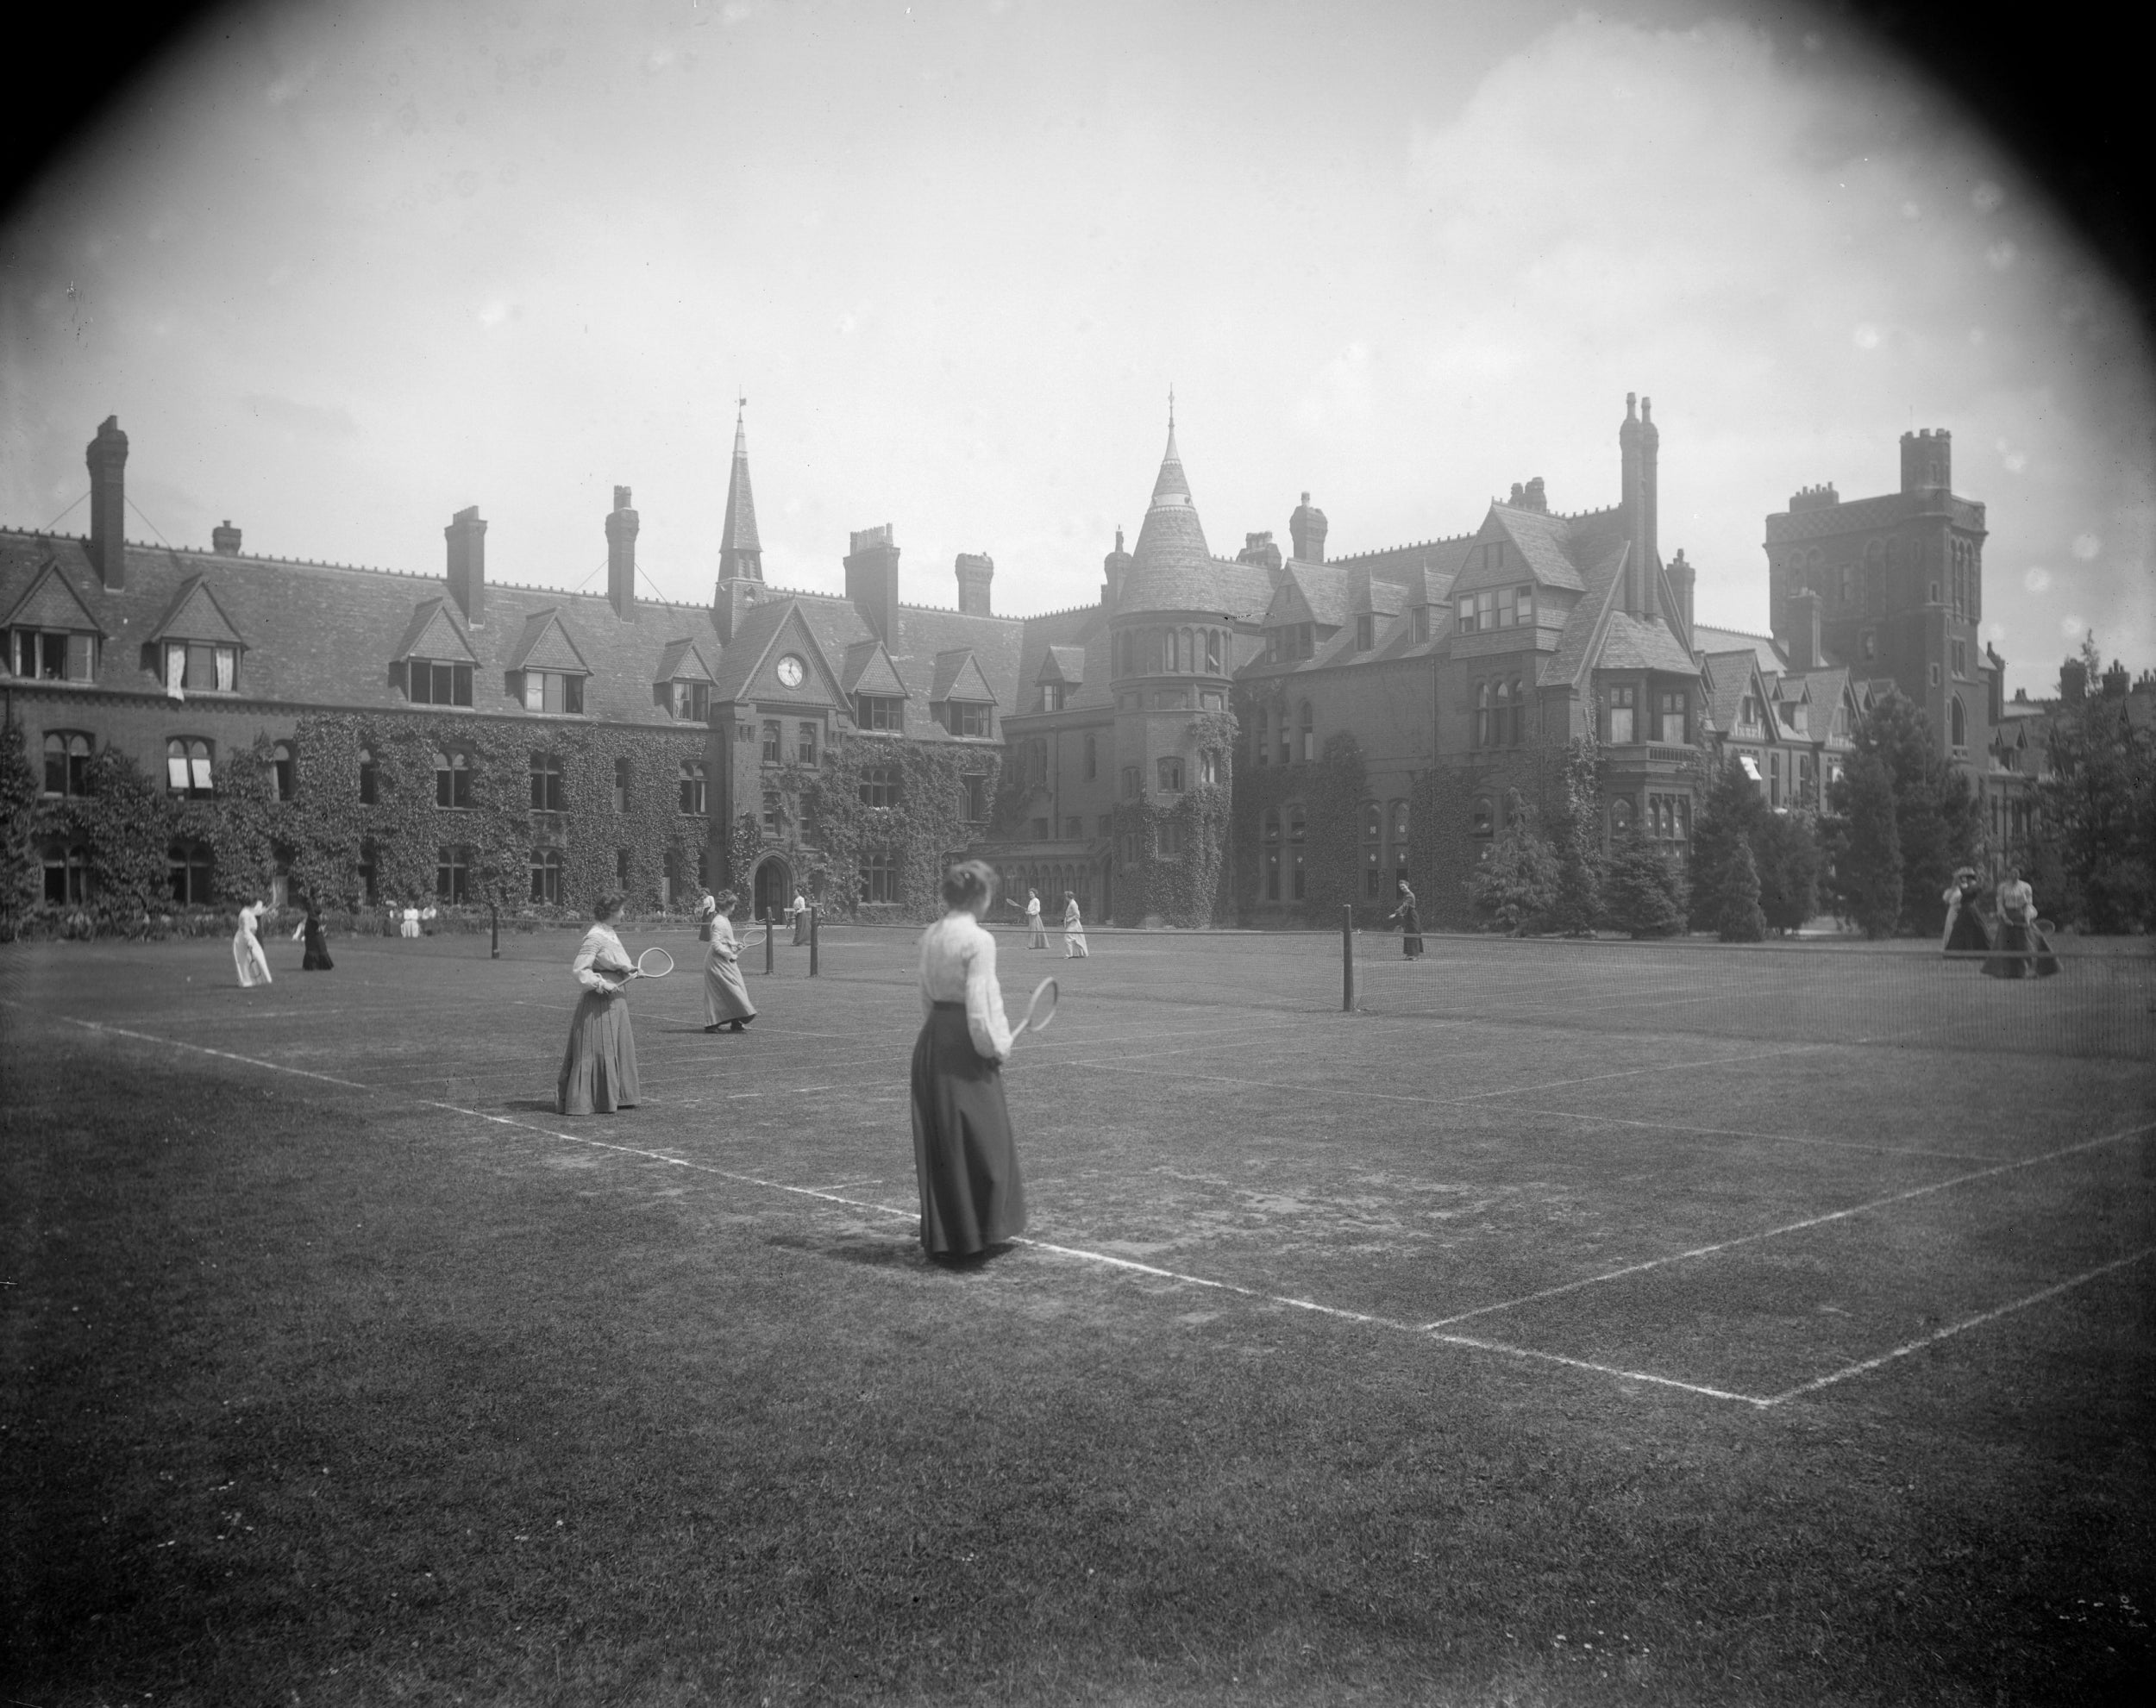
(125, 821)
(1330, 790)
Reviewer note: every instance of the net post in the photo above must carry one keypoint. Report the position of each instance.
(1347, 957)
(811, 914)
(494, 930)
(769, 935)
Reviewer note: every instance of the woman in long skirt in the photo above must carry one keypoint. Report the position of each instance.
(1964, 926)
(317, 959)
(2022, 951)
(1074, 929)
(247, 948)
(599, 1069)
(1036, 933)
(410, 926)
(1410, 922)
(972, 1194)
(726, 997)
(799, 910)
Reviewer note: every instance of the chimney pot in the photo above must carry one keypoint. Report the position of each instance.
(224, 539)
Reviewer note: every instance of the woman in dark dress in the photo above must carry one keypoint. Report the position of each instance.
(1964, 926)
(972, 1195)
(1410, 922)
(317, 959)
(599, 1069)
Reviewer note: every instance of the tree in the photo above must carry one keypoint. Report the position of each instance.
(20, 872)
(2098, 811)
(1785, 849)
(1517, 887)
(1578, 844)
(1644, 890)
(1725, 874)
(1868, 864)
(1936, 816)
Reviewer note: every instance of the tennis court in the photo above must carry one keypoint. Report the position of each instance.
(1755, 1176)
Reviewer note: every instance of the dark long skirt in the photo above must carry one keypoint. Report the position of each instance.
(599, 1069)
(972, 1194)
(1968, 933)
(1410, 933)
(317, 959)
(2016, 938)
(800, 927)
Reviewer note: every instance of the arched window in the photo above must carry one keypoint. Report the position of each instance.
(1519, 712)
(1398, 813)
(1481, 819)
(1297, 878)
(453, 874)
(370, 777)
(66, 873)
(193, 874)
(1480, 736)
(452, 780)
(1309, 735)
(187, 766)
(282, 770)
(1373, 851)
(546, 874)
(1212, 651)
(66, 763)
(1958, 720)
(1270, 833)
(1501, 720)
(693, 794)
(369, 864)
(1620, 819)
(624, 774)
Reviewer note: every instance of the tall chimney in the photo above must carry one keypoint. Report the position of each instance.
(224, 539)
(621, 557)
(872, 580)
(1113, 568)
(975, 570)
(466, 536)
(1634, 506)
(1682, 578)
(1306, 530)
(1649, 506)
(1804, 643)
(108, 459)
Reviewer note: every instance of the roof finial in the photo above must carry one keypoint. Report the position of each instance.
(1171, 406)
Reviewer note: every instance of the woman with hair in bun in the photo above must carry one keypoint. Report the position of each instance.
(972, 1195)
(599, 1069)
(726, 997)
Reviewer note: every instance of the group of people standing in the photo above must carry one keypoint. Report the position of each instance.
(252, 963)
(1074, 928)
(2021, 951)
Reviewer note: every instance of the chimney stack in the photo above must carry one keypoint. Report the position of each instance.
(872, 580)
(108, 459)
(1113, 568)
(1306, 529)
(224, 539)
(1651, 505)
(621, 557)
(1682, 579)
(975, 570)
(466, 536)
(1805, 644)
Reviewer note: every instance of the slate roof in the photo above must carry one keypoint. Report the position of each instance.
(683, 661)
(1710, 638)
(435, 633)
(1577, 646)
(1172, 569)
(50, 601)
(1062, 663)
(957, 672)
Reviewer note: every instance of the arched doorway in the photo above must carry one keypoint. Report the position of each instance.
(773, 886)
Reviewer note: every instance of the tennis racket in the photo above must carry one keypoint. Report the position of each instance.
(653, 964)
(1039, 1011)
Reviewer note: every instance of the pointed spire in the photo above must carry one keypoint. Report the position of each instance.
(740, 552)
(1171, 488)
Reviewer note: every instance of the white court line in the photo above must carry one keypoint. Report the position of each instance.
(1792, 1227)
(1976, 1322)
(829, 1196)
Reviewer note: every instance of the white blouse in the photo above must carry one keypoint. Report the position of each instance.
(600, 948)
(958, 964)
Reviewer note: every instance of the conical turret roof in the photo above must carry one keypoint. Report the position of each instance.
(740, 552)
(1171, 569)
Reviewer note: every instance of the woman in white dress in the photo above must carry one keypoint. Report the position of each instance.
(972, 1194)
(1074, 929)
(247, 947)
(410, 927)
(599, 1069)
(1038, 932)
(799, 910)
(726, 1003)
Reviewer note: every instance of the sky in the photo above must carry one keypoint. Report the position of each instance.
(342, 271)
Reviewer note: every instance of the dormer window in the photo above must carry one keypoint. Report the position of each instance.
(1052, 695)
(431, 683)
(879, 711)
(690, 701)
(966, 718)
(555, 691)
(51, 655)
(1365, 631)
(201, 668)
(1422, 624)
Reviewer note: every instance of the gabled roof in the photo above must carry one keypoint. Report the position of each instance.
(435, 633)
(1728, 677)
(1062, 664)
(683, 661)
(1578, 644)
(195, 615)
(51, 602)
(1635, 643)
(958, 678)
(1708, 639)
(867, 670)
(546, 644)
(1540, 539)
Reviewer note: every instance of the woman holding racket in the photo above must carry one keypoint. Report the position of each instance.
(972, 1195)
(726, 997)
(598, 1070)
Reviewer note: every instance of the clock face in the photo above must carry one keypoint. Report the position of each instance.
(792, 671)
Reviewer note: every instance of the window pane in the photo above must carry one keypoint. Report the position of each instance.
(227, 668)
(534, 691)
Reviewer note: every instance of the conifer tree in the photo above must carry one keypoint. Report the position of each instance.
(1644, 891)
(1868, 856)
(1936, 815)
(1725, 875)
(1785, 849)
(1517, 887)
(1736, 917)
(1577, 845)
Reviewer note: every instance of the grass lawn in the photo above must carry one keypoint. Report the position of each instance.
(1574, 1324)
